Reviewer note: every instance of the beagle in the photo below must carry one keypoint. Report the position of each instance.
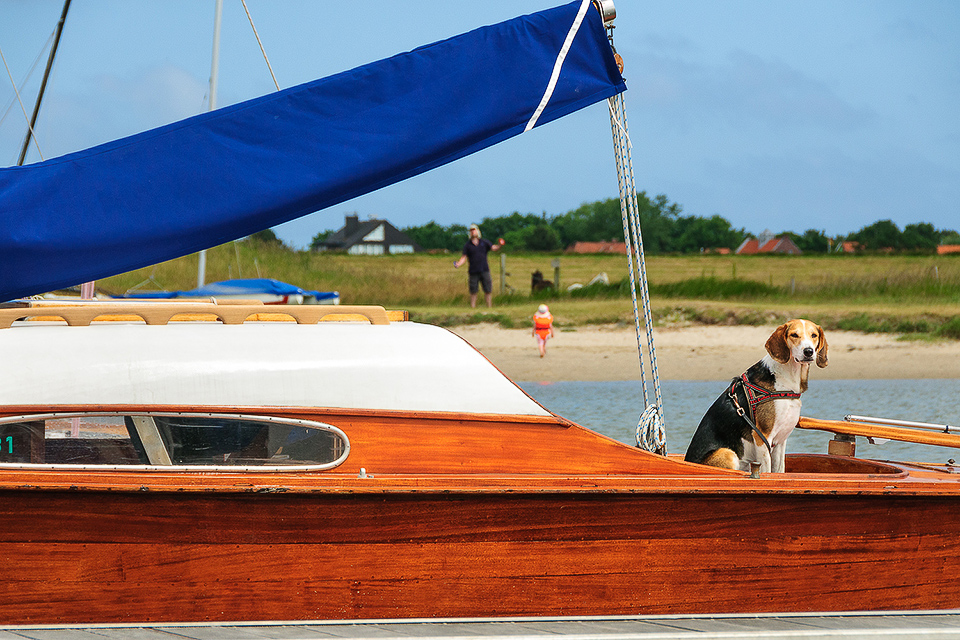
(751, 420)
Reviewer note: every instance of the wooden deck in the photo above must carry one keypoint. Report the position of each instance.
(868, 626)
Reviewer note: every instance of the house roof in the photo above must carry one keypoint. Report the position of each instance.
(355, 232)
(598, 247)
(783, 244)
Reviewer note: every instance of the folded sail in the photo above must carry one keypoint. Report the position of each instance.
(228, 173)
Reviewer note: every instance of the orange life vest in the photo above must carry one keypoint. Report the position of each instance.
(542, 324)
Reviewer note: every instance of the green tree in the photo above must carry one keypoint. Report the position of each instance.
(920, 236)
(659, 223)
(493, 228)
(590, 222)
(602, 220)
(459, 234)
(429, 236)
(268, 237)
(538, 237)
(883, 234)
(319, 239)
(696, 234)
(949, 236)
(812, 241)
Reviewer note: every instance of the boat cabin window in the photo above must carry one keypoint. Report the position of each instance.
(166, 439)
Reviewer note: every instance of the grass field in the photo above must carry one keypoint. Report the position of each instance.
(918, 295)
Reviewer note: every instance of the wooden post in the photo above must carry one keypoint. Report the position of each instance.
(503, 273)
(556, 274)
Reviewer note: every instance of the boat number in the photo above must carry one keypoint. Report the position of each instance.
(9, 444)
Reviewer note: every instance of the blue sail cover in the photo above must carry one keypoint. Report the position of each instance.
(232, 172)
(237, 287)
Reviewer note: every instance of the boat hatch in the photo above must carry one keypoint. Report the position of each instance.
(170, 440)
(816, 463)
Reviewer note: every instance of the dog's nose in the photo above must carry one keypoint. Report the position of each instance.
(808, 352)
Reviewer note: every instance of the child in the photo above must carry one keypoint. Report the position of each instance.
(542, 327)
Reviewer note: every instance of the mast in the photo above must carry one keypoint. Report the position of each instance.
(214, 71)
(43, 84)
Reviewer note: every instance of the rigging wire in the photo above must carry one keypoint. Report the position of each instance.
(650, 433)
(20, 100)
(43, 84)
(26, 78)
(257, 35)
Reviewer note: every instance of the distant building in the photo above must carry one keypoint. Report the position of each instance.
(598, 247)
(371, 237)
(948, 248)
(768, 243)
(849, 246)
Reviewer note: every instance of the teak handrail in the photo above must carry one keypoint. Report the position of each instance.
(902, 434)
(81, 314)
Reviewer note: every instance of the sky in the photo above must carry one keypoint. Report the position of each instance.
(778, 115)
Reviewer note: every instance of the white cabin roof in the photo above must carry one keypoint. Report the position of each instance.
(401, 366)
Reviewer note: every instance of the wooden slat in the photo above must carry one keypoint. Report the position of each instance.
(82, 314)
(902, 434)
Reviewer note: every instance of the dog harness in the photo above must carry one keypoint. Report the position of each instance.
(756, 395)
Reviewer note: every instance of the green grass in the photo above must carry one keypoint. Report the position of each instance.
(915, 296)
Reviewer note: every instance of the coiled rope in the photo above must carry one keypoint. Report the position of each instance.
(651, 435)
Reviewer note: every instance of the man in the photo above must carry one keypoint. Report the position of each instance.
(476, 251)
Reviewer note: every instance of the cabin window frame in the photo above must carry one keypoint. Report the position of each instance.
(193, 468)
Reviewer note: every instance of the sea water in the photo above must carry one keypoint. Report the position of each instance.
(612, 408)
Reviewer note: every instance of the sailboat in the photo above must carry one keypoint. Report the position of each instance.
(196, 461)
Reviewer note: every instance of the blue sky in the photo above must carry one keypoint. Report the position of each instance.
(787, 115)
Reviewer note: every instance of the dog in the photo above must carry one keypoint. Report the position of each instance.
(752, 419)
(537, 283)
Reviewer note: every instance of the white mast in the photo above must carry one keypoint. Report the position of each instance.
(214, 70)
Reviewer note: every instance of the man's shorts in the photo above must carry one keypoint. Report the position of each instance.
(477, 278)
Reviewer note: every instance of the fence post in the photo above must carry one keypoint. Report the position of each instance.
(556, 274)
(503, 273)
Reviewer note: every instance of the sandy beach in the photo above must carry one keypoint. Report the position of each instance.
(700, 353)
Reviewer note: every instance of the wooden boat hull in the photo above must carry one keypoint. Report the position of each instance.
(201, 485)
(256, 555)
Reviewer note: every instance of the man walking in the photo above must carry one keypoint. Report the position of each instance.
(475, 251)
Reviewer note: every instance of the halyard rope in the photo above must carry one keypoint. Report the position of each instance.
(650, 431)
(257, 36)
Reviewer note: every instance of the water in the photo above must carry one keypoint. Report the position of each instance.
(612, 408)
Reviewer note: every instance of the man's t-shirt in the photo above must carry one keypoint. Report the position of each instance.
(477, 255)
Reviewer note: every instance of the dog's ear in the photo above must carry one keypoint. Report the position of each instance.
(777, 344)
(822, 349)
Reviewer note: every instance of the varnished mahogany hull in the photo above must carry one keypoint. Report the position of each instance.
(99, 556)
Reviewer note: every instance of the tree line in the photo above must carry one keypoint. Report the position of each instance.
(665, 230)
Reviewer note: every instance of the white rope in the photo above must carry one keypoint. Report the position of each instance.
(564, 50)
(257, 36)
(16, 91)
(650, 431)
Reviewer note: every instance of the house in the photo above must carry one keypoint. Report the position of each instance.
(598, 247)
(768, 243)
(371, 237)
(948, 248)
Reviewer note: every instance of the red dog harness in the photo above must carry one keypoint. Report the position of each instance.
(756, 395)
